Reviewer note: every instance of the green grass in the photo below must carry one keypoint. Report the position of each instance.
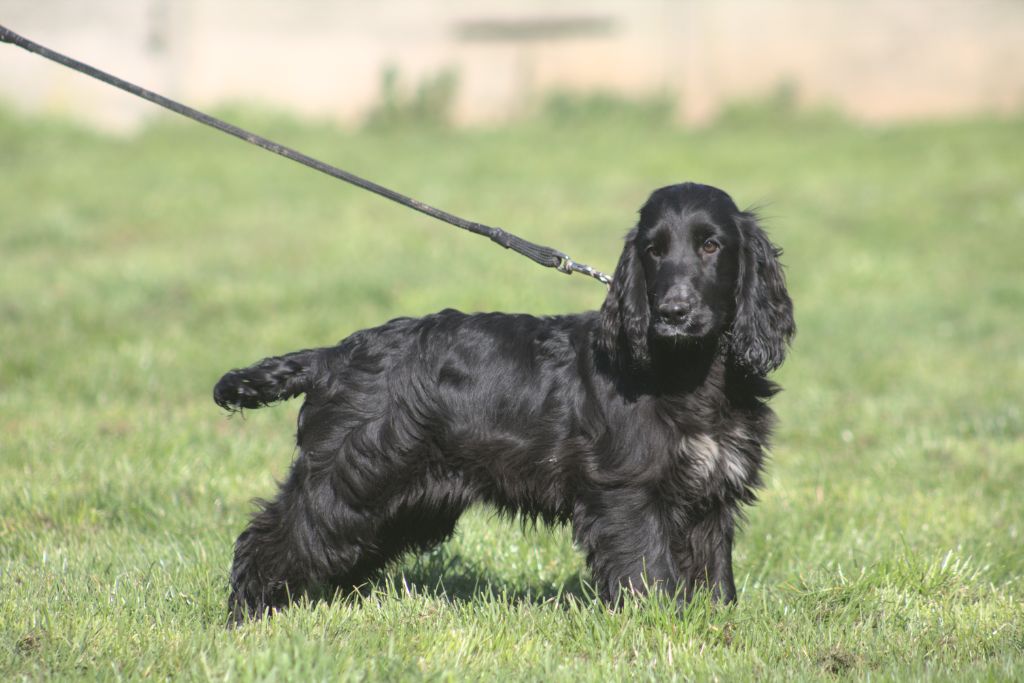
(135, 271)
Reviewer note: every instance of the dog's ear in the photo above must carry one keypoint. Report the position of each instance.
(626, 314)
(763, 324)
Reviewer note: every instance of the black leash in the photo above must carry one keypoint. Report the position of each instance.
(545, 256)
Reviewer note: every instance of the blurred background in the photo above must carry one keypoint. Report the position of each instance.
(489, 61)
(143, 255)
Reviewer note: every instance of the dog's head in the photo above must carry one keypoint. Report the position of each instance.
(694, 268)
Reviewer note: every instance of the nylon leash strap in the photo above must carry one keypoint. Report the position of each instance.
(545, 256)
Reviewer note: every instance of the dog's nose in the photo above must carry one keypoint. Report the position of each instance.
(673, 311)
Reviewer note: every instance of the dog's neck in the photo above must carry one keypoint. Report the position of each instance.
(675, 369)
(682, 368)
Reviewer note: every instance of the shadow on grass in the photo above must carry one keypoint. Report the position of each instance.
(454, 579)
(451, 578)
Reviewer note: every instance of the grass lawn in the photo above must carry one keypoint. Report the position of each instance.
(888, 542)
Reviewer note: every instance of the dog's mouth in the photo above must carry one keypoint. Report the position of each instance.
(691, 326)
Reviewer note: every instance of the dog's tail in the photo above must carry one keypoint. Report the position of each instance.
(271, 380)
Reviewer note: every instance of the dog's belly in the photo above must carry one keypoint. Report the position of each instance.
(517, 474)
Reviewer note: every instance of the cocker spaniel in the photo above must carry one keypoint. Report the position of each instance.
(643, 424)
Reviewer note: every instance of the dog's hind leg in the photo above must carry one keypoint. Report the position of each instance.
(335, 526)
(304, 538)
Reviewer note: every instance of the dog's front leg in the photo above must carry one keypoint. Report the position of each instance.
(626, 543)
(704, 557)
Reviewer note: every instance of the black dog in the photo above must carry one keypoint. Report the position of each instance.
(643, 424)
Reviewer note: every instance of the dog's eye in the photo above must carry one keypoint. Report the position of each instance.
(654, 251)
(710, 246)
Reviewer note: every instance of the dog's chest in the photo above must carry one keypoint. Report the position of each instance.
(730, 458)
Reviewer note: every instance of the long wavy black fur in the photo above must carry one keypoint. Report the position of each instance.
(648, 443)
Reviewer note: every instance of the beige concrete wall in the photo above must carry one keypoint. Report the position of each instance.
(876, 60)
